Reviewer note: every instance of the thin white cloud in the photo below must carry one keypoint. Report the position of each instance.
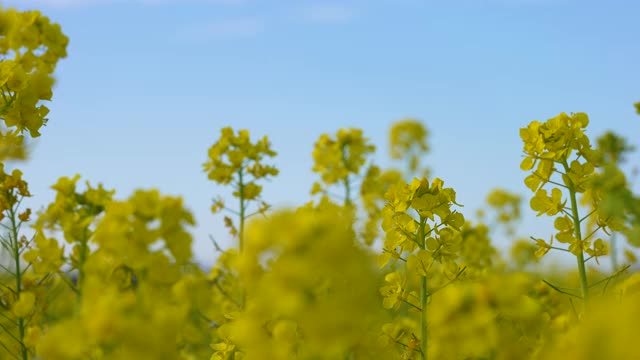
(328, 13)
(213, 2)
(55, 3)
(221, 30)
(503, 2)
(73, 3)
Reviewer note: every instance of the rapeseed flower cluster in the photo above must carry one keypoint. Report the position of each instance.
(561, 147)
(30, 47)
(338, 159)
(408, 141)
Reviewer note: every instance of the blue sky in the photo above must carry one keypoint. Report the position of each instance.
(149, 83)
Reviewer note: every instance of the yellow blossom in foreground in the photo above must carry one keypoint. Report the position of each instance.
(24, 305)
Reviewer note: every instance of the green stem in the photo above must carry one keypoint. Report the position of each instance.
(614, 252)
(241, 213)
(423, 320)
(347, 190)
(242, 217)
(18, 273)
(576, 221)
(345, 181)
(84, 247)
(424, 295)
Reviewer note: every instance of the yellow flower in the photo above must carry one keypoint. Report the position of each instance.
(32, 335)
(408, 139)
(543, 247)
(35, 45)
(336, 158)
(24, 306)
(394, 292)
(550, 205)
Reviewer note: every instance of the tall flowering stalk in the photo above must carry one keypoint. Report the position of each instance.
(420, 228)
(22, 303)
(562, 165)
(408, 142)
(74, 214)
(235, 160)
(30, 47)
(339, 159)
(611, 195)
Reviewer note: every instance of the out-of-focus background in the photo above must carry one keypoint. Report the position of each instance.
(149, 83)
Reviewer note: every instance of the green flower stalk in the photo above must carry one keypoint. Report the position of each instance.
(564, 161)
(420, 228)
(339, 159)
(235, 160)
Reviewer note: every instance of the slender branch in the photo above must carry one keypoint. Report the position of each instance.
(436, 252)
(68, 282)
(8, 288)
(226, 294)
(7, 270)
(412, 305)
(606, 285)
(560, 290)
(4, 96)
(8, 351)
(8, 318)
(566, 288)
(435, 227)
(575, 312)
(589, 214)
(617, 273)
(549, 180)
(458, 274)
(215, 244)
(44, 278)
(228, 209)
(591, 234)
(6, 243)
(396, 255)
(257, 212)
(11, 335)
(403, 344)
(566, 212)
